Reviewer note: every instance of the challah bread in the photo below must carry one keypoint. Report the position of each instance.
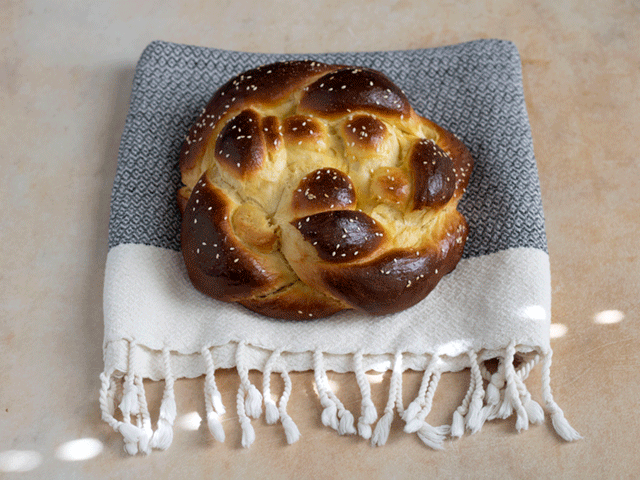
(312, 188)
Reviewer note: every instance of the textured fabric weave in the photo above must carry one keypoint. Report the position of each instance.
(473, 89)
(496, 304)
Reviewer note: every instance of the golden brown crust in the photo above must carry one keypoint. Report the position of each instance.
(313, 188)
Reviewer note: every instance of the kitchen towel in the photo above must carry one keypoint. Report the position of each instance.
(494, 306)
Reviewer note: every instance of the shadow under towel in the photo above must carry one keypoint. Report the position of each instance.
(495, 305)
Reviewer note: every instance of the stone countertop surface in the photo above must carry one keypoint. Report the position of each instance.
(65, 80)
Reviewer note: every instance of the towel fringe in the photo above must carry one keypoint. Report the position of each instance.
(504, 394)
(383, 427)
(329, 413)
(418, 403)
(291, 432)
(248, 434)
(272, 415)
(134, 403)
(163, 436)
(560, 424)
(431, 436)
(130, 433)
(212, 398)
(474, 419)
(512, 394)
(368, 412)
(144, 443)
(253, 397)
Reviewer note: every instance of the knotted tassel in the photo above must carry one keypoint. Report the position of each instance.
(418, 403)
(560, 424)
(512, 395)
(457, 423)
(431, 436)
(474, 419)
(163, 436)
(130, 433)
(329, 413)
(213, 399)
(492, 394)
(130, 405)
(346, 425)
(271, 409)
(533, 408)
(291, 431)
(368, 413)
(248, 433)
(253, 399)
(434, 437)
(144, 444)
(383, 427)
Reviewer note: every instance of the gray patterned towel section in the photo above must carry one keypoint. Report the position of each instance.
(495, 305)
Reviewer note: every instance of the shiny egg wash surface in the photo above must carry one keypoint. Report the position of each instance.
(313, 188)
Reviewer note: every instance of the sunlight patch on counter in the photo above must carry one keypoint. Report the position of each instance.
(557, 330)
(78, 450)
(607, 317)
(189, 421)
(19, 460)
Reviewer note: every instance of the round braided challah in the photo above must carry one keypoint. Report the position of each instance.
(312, 188)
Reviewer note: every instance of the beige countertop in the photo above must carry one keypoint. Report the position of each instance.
(65, 79)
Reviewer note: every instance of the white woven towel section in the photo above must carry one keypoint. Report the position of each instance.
(492, 306)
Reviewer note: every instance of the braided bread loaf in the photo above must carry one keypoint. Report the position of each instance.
(312, 188)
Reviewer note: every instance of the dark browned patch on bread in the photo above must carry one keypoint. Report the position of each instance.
(365, 131)
(240, 145)
(433, 176)
(397, 279)
(267, 85)
(355, 89)
(302, 129)
(323, 189)
(341, 236)
(217, 264)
